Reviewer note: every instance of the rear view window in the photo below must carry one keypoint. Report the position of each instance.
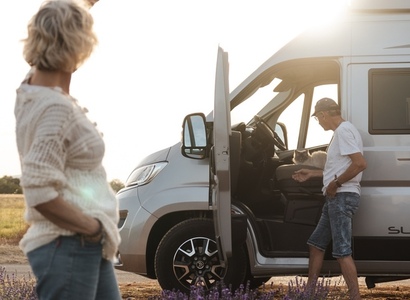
(389, 101)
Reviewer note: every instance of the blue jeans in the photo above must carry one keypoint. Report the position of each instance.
(68, 268)
(336, 223)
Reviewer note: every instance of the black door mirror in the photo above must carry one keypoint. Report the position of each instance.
(194, 137)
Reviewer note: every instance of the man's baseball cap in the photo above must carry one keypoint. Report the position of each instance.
(325, 104)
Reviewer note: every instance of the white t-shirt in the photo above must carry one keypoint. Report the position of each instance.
(346, 140)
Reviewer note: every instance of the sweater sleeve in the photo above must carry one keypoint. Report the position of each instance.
(44, 161)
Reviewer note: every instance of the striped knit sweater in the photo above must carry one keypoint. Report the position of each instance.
(61, 153)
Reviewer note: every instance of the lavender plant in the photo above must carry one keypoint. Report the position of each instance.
(219, 292)
(13, 288)
(297, 290)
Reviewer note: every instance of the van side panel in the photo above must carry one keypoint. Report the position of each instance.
(383, 216)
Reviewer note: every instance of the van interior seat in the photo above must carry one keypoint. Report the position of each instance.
(288, 185)
(303, 200)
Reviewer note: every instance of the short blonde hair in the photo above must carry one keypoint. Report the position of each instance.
(60, 36)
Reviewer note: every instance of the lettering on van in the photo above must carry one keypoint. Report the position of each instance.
(398, 230)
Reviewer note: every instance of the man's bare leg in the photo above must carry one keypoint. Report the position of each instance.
(349, 272)
(315, 264)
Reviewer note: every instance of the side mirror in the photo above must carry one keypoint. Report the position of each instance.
(194, 137)
(282, 132)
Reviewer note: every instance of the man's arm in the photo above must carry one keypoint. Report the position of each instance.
(305, 174)
(358, 165)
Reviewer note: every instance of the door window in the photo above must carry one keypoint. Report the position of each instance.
(316, 135)
(292, 118)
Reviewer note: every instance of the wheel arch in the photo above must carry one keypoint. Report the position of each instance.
(161, 227)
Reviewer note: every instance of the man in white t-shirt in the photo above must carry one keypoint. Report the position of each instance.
(341, 186)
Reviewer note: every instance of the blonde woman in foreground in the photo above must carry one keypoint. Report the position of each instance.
(71, 208)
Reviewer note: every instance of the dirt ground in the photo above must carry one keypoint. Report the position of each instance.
(391, 291)
(11, 254)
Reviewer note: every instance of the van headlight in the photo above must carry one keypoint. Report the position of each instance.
(145, 174)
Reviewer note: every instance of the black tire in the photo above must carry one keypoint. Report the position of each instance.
(187, 255)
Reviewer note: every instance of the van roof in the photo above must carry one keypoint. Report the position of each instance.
(380, 5)
(360, 31)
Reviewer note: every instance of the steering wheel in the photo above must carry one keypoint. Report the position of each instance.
(268, 133)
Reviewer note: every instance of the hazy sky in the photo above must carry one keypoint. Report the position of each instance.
(155, 63)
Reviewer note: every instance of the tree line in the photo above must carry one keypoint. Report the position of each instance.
(11, 185)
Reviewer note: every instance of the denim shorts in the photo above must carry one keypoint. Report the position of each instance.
(71, 268)
(336, 224)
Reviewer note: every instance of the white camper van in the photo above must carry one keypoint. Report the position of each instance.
(221, 205)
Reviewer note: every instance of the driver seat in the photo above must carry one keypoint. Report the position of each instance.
(303, 200)
(288, 185)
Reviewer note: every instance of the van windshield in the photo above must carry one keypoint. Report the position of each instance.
(245, 111)
(290, 99)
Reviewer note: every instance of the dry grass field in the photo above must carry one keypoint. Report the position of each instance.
(11, 216)
(12, 228)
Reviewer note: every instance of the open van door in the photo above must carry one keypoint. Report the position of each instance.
(216, 140)
(220, 160)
